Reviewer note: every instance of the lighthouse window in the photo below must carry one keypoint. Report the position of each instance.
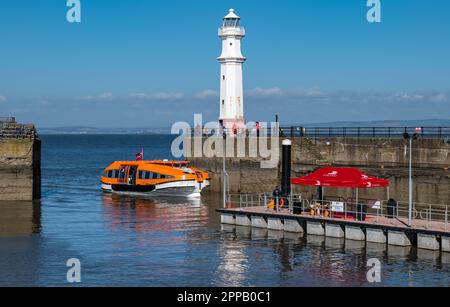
(231, 44)
(231, 22)
(223, 102)
(223, 77)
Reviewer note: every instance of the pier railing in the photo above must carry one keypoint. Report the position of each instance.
(329, 132)
(7, 119)
(424, 215)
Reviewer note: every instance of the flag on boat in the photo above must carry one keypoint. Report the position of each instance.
(140, 155)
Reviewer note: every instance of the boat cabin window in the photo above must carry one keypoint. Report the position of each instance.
(111, 173)
(152, 176)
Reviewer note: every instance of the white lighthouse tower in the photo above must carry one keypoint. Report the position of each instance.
(231, 60)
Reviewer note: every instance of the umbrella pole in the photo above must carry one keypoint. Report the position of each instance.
(356, 197)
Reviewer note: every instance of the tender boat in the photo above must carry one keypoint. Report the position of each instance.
(155, 177)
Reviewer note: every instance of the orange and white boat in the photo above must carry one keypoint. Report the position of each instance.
(155, 177)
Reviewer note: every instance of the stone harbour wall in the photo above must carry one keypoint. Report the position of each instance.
(20, 166)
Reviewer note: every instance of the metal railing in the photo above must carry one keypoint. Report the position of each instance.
(13, 130)
(426, 215)
(328, 132)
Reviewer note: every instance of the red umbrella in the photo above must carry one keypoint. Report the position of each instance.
(341, 177)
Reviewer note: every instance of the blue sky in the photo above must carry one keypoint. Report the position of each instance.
(139, 63)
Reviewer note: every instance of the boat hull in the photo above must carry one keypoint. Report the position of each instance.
(190, 189)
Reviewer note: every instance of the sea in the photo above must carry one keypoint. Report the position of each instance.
(138, 241)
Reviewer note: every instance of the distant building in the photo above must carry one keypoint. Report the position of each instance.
(231, 83)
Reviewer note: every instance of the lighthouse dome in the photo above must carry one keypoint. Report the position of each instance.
(231, 20)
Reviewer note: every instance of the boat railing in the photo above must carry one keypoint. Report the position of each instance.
(428, 216)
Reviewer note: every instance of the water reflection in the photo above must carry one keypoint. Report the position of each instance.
(153, 215)
(19, 218)
(233, 262)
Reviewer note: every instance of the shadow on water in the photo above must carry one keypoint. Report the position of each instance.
(19, 222)
(19, 218)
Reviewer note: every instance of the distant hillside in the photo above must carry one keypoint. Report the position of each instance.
(93, 130)
(384, 123)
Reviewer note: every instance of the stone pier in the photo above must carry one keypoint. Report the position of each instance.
(293, 226)
(334, 231)
(315, 228)
(243, 220)
(354, 233)
(275, 223)
(398, 238)
(20, 162)
(426, 241)
(376, 236)
(259, 221)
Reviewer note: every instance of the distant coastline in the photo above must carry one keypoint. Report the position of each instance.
(83, 130)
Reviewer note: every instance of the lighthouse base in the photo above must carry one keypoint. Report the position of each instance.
(235, 123)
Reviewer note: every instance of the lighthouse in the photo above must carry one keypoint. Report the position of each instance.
(231, 61)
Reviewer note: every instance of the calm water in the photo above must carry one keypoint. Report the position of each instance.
(142, 242)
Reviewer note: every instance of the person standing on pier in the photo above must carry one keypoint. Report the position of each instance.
(257, 127)
(234, 130)
(276, 198)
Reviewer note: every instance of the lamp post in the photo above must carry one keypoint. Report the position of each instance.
(224, 170)
(409, 137)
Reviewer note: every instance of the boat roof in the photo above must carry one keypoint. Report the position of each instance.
(160, 162)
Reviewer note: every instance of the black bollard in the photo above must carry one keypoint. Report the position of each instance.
(286, 168)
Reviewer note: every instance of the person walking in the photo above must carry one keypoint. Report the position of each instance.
(234, 129)
(257, 126)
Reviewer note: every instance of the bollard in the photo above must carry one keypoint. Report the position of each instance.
(286, 168)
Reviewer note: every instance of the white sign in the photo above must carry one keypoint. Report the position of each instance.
(375, 204)
(337, 206)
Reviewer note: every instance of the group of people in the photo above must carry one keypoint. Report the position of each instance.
(235, 130)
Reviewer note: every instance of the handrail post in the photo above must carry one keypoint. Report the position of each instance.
(446, 217)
